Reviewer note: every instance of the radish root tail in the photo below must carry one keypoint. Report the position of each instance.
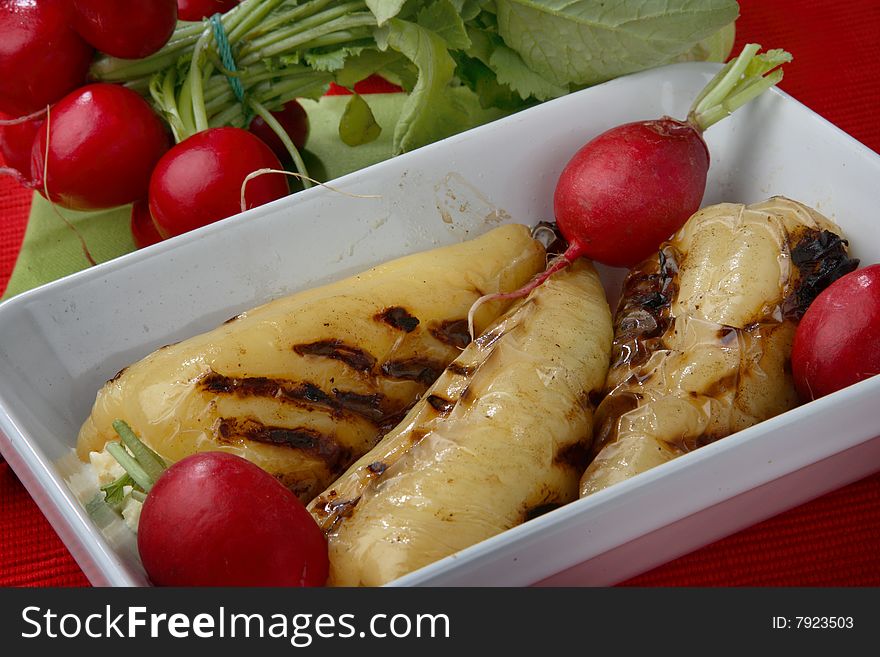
(263, 172)
(82, 241)
(560, 263)
(19, 177)
(24, 119)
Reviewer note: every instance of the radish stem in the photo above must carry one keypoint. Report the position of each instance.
(256, 19)
(284, 41)
(272, 122)
(267, 38)
(143, 466)
(138, 496)
(740, 81)
(271, 94)
(194, 82)
(130, 465)
(151, 462)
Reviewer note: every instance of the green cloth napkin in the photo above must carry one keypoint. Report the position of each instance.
(51, 250)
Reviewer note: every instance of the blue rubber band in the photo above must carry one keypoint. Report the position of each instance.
(226, 57)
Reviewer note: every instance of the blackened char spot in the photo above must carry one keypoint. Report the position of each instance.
(460, 370)
(540, 510)
(354, 357)
(422, 370)
(453, 332)
(653, 300)
(318, 445)
(548, 233)
(398, 318)
(311, 392)
(575, 455)
(821, 259)
(332, 511)
(441, 405)
(117, 375)
(377, 468)
(595, 398)
(643, 315)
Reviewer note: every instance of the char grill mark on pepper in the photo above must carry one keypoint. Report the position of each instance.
(453, 332)
(440, 404)
(319, 445)
(371, 407)
(460, 370)
(398, 318)
(821, 257)
(354, 357)
(643, 315)
(420, 370)
(330, 511)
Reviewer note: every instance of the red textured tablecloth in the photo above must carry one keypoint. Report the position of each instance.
(834, 540)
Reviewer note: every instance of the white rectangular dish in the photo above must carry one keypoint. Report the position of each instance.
(60, 342)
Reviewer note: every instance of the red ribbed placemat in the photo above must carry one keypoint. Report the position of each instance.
(15, 202)
(834, 540)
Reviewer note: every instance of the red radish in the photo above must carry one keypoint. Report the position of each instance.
(16, 142)
(837, 342)
(216, 519)
(199, 181)
(129, 30)
(143, 230)
(630, 188)
(293, 119)
(104, 141)
(41, 57)
(196, 10)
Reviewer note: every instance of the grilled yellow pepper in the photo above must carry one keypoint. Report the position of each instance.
(304, 385)
(703, 332)
(501, 436)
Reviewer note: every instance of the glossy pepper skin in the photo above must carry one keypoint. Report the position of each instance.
(305, 384)
(500, 438)
(703, 333)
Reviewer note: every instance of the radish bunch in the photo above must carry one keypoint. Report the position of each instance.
(92, 146)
